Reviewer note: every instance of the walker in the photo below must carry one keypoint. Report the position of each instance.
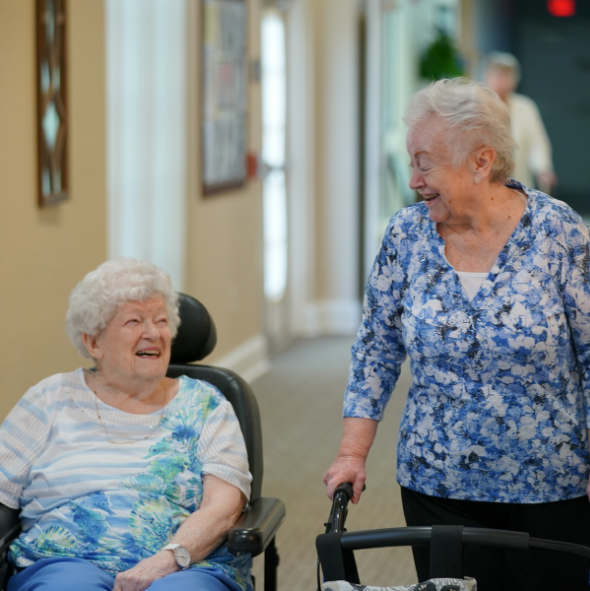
(336, 550)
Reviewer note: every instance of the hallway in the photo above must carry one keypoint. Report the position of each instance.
(301, 405)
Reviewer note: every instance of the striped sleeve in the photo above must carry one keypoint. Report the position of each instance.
(221, 449)
(23, 435)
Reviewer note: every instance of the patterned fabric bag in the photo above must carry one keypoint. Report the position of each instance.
(466, 584)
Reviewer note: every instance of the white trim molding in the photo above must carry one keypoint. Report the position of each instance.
(146, 132)
(250, 360)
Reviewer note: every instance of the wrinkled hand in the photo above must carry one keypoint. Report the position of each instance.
(144, 573)
(346, 469)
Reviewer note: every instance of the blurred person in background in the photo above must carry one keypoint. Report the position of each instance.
(532, 163)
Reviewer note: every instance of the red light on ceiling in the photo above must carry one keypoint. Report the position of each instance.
(561, 7)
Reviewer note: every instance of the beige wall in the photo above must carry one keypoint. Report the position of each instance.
(323, 166)
(224, 233)
(44, 252)
(337, 149)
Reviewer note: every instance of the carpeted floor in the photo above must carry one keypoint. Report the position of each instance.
(301, 406)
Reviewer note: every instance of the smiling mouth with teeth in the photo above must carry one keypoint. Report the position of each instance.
(431, 197)
(148, 354)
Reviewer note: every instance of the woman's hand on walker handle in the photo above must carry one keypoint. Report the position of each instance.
(346, 469)
(349, 465)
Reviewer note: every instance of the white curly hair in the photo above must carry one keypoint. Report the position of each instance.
(94, 301)
(474, 114)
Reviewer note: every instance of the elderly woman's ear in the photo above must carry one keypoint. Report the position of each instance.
(92, 346)
(482, 161)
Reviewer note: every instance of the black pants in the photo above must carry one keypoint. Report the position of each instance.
(500, 570)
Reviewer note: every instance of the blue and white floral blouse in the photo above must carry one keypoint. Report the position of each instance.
(499, 405)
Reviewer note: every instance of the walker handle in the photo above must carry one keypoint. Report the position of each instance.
(345, 488)
(342, 496)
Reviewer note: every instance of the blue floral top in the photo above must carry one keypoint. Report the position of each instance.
(499, 405)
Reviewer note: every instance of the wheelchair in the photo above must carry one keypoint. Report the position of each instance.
(255, 531)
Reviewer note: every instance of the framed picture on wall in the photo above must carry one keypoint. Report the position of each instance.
(224, 100)
(52, 115)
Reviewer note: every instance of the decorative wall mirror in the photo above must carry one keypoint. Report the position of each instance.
(52, 120)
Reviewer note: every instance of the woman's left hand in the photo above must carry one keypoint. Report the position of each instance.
(144, 573)
(200, 534)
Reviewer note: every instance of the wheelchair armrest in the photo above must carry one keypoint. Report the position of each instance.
(9, 525)
(257, 526)
(9, 529)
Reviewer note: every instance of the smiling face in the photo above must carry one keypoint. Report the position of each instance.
(446, 188)
(135, 344)
(502, 81)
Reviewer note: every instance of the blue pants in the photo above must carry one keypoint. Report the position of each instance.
(74, 574)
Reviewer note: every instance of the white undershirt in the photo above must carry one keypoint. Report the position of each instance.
(471, 282)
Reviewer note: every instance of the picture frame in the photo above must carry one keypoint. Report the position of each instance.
(224, 96)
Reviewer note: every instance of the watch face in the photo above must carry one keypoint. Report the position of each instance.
(182, 557)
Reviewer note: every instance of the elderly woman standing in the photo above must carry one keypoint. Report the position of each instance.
(485, 286)
(126, 479)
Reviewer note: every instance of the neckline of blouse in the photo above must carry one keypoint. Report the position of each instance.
(89, 401)
(506, 253)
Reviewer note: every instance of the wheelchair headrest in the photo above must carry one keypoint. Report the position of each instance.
(196, 336)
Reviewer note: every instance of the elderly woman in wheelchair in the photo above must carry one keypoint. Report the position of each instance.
(126, 479)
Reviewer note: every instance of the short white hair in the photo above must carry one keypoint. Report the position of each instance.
(476, 117)
(94, 301)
